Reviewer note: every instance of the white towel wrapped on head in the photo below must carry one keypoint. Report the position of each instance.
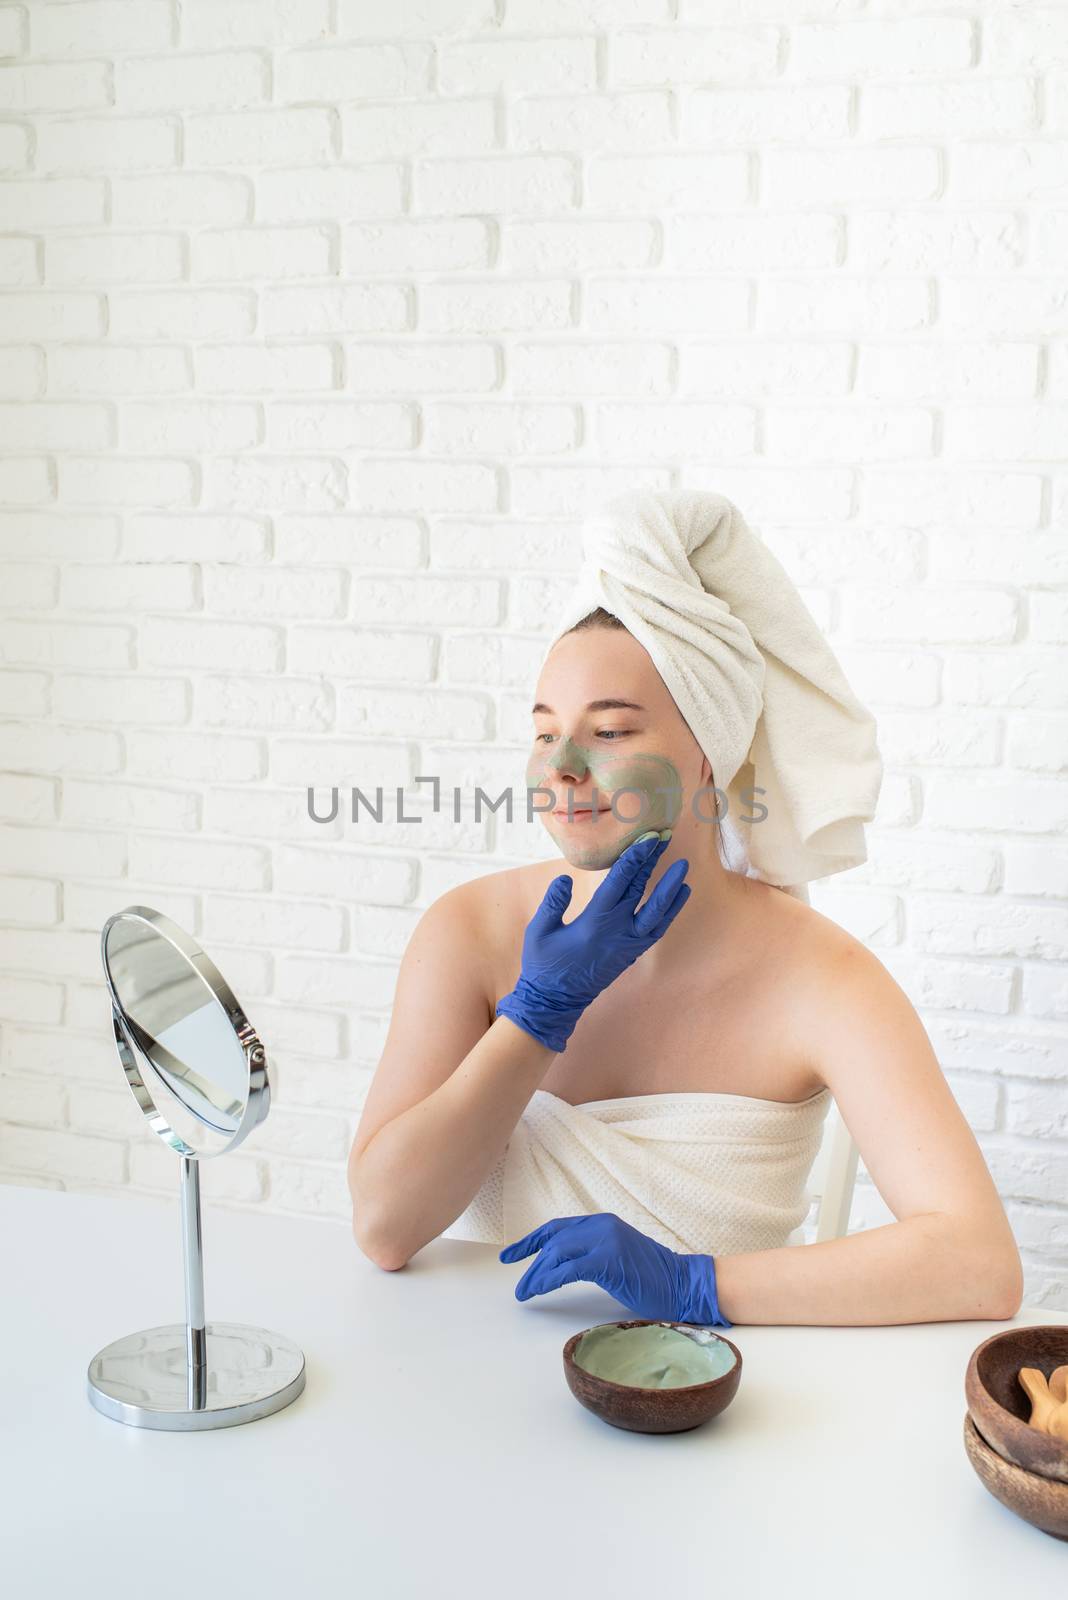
(750, 671)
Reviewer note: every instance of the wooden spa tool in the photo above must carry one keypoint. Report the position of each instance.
(1049, 1399)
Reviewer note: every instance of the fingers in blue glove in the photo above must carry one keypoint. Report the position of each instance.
(629, 873)
(665, 902)
(650, 1279)
(561, 1260)
(519, 1249)
(554, 902)
(549, 1272)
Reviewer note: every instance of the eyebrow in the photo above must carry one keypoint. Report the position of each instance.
(594, 705)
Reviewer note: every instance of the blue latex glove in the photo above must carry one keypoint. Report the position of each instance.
(648, 1278)
(565, 966)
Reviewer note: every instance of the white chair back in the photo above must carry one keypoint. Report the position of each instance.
(833, 1176)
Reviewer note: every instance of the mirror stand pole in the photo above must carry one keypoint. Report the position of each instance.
(193, 1251)
(158, 1378)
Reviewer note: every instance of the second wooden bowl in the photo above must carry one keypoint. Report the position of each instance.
(1000, 1406)
(1043, 1502)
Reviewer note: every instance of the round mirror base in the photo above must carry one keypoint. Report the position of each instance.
(144, 1379)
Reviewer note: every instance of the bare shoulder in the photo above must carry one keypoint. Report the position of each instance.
(495, 908)
(829, 952)
(813, 971)
(506, 900)
(842, 998)
(804, 942)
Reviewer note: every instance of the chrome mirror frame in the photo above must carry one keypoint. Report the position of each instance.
(130, 1041)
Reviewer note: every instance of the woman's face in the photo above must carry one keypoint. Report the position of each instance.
(607, 734)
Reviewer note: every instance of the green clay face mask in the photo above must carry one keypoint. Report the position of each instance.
(655, 1356)
(647, 793)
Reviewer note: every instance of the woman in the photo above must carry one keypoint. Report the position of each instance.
(727, 999)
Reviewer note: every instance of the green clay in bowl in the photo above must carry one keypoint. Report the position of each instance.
(654, 1355)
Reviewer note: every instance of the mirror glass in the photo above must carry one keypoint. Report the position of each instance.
(190, 1071)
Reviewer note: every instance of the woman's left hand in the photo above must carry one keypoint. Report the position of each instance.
(648, 1278)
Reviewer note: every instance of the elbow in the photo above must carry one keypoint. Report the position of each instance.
(382, 1259)
(373, 1247)
(988, 1275)
(1014, 1292)
(1003, 1305)
(1006, 1314)
(1014, 1277)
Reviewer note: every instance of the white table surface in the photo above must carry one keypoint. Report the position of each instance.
(437, 1450)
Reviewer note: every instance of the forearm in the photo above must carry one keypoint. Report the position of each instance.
(424, 1167)
(922, 1269)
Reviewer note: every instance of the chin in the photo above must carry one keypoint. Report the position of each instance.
(591, 857)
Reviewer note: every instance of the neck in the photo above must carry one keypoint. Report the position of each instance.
(716, 898)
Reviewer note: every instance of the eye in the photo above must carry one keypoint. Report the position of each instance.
(613, 733)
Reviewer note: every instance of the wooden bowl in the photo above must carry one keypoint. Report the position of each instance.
(1043, 1502)
(628, 1405)
(1000, 1407)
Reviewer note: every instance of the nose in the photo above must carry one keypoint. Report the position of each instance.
(567, 760)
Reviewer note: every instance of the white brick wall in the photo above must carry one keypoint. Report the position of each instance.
(322, 324)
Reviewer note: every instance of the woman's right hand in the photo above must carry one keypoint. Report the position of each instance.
(565, 966)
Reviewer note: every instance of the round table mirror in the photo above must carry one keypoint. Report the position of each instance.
(199, 1073)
